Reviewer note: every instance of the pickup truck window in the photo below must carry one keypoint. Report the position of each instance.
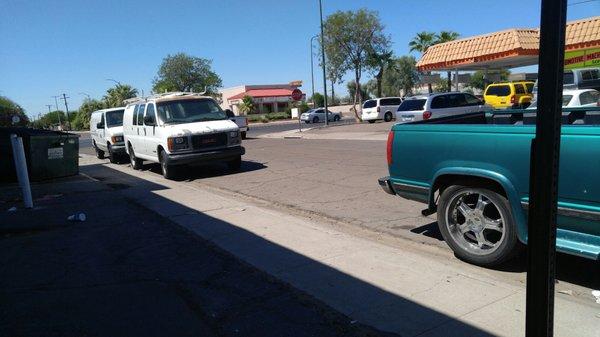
(568, 77)
(412, 105)
(189, 111)
(498, 90)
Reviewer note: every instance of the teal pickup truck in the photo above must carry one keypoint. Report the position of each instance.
(473, 170)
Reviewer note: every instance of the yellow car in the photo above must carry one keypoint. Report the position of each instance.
(515, 95)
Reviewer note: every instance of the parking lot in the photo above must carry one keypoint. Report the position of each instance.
(330, 174)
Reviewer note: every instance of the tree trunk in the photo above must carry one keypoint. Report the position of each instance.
(357, 97)
(379, 79)
(449, 73)
(332, 93)
(429, 88)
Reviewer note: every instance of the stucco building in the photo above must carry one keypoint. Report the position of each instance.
(266, 97)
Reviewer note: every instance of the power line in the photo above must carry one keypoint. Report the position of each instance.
(581, 2)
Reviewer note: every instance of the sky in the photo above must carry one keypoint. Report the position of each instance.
(73, 46)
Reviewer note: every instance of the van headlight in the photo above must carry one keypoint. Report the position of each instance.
(177, 143)
(116, 139)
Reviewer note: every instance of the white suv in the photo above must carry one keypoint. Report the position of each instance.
(418, 108)
(175, 129)
(106, 131)
(380, 109)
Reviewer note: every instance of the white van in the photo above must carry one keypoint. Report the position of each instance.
(380, 109)
(106, 131)
(176, 129)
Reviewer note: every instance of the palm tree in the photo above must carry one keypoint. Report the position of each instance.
(420, 43)
(379, 62)
(115, 96)
(446, 36)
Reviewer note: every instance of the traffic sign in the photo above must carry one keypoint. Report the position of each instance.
(297, 94)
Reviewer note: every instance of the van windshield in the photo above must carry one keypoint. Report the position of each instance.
(114, 118)
(189, 111)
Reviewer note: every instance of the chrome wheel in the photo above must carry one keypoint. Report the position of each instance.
(475, 222)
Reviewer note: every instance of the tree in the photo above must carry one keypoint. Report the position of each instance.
(247, 106)
(319, 100)
(478, 81)
(447, 36)
(335, 68)
(82, 118)
(400, 77)
(51, 119)
(181, 72)
(420, 43)
(379, 62)
(352, 36)
(351, 86)
(9, 109)
(115, 96)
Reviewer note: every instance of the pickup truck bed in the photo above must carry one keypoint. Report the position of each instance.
(488, 155)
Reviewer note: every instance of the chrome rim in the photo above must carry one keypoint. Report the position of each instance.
(475, 222)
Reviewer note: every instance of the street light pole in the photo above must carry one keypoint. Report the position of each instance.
(323, 60)
(312, 74)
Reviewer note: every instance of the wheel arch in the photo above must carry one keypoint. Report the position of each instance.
(481, 178)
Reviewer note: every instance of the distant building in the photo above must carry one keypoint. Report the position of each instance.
(267, 97)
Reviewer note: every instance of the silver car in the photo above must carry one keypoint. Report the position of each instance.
(318, 115)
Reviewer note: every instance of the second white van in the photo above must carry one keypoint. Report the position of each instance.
(106, 131)
(380, 109)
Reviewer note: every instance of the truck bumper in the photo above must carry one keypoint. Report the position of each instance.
(206, 157)
(386, 185)
(118, 148)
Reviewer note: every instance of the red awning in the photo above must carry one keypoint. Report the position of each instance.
(258, 93)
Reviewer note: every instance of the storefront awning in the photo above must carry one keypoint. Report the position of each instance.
(260, 93)
(505, 49)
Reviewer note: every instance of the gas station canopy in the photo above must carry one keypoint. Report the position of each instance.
(505, 49)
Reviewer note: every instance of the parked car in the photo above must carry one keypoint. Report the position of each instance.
(577, 98)
(176, 129)
(513, 95)
(582, 78)
(380, 109)
(476, 177)
(240, 121)
(106, 131)
(423, 107)
(318, 115)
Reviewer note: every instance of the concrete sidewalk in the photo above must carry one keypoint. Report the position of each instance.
(355, 131)
(406, 290)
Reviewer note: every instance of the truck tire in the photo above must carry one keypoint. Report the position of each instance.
(236, 164)
(168, 171)
(387, 117)
(99, 153)
(112, 157)
(477, 224)
(136, 163)
(243, 133)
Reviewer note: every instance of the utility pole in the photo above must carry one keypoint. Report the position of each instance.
(49, 106)
(323, 60)
(312, 74)
(64, 98)
(57, 111)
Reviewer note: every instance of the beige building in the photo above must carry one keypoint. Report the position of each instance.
(267, 98)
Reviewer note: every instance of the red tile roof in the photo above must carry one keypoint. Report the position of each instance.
(257, 93)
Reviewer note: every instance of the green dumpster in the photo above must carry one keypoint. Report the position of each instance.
(49, 154)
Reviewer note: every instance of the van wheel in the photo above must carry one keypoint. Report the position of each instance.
(477, 224)
(243, 134)
(371, 121)
(387, 117)
(136, 163)
(99, 153)
(168, 171)
(112, 157)
(236, 164)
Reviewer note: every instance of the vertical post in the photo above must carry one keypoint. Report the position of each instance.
(323, 60)
(67, 110)
(456, 78)
(21, 169)
(312, 74)
(543, 190)
(57, 111)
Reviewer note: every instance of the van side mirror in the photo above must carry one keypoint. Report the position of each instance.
(229, 113)
(149, 120)
(99, 125)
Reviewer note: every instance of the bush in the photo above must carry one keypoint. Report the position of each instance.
(264, 119)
